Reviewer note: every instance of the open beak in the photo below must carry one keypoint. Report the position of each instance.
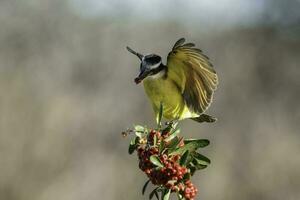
(141, 76)
(144, 72)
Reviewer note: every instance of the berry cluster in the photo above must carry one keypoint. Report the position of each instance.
(190, 190)
(170, 174)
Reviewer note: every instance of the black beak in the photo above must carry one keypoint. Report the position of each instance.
(135, 53)
(144, 73)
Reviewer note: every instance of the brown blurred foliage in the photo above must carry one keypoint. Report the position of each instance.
(67, 92)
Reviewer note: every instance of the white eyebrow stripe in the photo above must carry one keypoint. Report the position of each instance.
(155, 66)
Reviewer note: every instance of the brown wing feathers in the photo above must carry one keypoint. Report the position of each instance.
(201, 78)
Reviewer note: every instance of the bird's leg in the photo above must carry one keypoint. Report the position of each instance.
(169, 122)
(172, 123)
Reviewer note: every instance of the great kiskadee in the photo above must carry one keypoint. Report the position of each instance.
(184, 87)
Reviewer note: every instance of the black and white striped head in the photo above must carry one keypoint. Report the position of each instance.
(150, 65)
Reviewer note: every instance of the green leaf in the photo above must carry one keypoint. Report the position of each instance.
(156, 195)
(156, 161)
(201, 142)
(154, 140)
(179, 196)
(197, 165)
(166, 194)
(132, 145)
(193, 169)
(171, 127)
(183, 158)
(161, 146)
(187, 176)
(167, 129)
(145, 187)
(139, 134)
(131, 149)
(173, 144)
(189, 159)
(191, 145)
(173, 135)
(160, 114)
(139, 128)
(154, 192)
(201, 159)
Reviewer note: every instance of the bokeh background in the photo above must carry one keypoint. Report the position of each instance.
(67, 92)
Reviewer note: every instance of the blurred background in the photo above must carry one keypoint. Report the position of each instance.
(67, 93)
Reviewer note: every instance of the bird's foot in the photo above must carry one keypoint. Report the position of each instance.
(172, 123)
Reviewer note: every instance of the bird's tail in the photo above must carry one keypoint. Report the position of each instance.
(204, 118)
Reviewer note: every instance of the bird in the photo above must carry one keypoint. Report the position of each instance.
(184, 87)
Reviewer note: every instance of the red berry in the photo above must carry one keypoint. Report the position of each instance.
(188, 196)
(158, 134)
(164, 157)
(193, 194)
(169, 185)
(184, 170)
(187, 190)
(181, 143)
(169, 166)
(176, 158)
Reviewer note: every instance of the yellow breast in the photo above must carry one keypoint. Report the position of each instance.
(160, 90)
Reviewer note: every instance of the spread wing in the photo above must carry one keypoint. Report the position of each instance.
(193, 74)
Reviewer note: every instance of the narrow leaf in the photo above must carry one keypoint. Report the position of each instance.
(139, 131)
(154, 192)
(132, 146)
(179, 196)
(187, 176)
(154, 140)
(183, 158)
(131, 149)
(156, 161)
(201, 142)
(173, 144)
(201, 159)
(145, 187)
(156, 195)
(193, 170)
(160, 114)
(167, 129)
(173, 135)
(161, 146)
(139, 128)
(166, 194)
(197, 165)
(191, 145)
